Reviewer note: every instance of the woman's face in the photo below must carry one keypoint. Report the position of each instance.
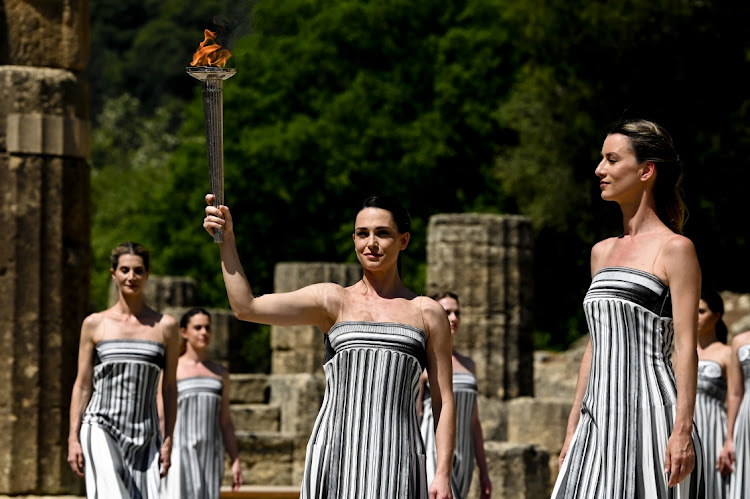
(130, 274)
(707, 319)
(197, 334)
(620, 175)
(453, 309)
(377, 240)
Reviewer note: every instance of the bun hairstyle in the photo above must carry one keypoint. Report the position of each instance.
(716, 304)
(130, 248)
(651, 142)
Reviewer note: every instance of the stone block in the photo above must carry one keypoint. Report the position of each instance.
(48, 134)
(518, 471)
(47, 33)
(487, 260)
(255, 417)
(299, 397)
(538, 421)
(30, 93)
(249, 389)
(493, 416)
(266, 458)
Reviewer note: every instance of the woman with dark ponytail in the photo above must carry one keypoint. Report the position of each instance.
(630, 432)
(710, 402)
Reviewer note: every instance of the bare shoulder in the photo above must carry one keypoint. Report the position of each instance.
(469, 364)
(218, 369)
(678, 246)
(741, 339)
(93, 321)
(599, 252)
(168, 321)
(434, 316)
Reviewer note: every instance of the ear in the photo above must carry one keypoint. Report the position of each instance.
(183, 331)
(405, 240)
(648, 171)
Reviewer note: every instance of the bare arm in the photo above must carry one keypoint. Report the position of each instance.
(735, 392)
(82, 390)
(227, 434)
(169, 389)
(575, 412)
(684, 275)
(477, 436)
(316, 305)
(440, 374)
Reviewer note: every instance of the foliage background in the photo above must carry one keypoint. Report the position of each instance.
(454, 106)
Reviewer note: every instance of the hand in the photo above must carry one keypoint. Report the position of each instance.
(441, 488)
(236, 475)
(75, 457)
(217, 218)
(680, 458)
(165, 456)
(485, 486)
(725, 463)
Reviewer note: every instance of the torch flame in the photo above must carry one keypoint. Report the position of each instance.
(210, 53)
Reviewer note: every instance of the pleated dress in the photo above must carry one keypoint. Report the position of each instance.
(120, 433)
(740, 486)
(465, 397)
(365, 443)
(198, 449)
(628, 410)
(711, 421)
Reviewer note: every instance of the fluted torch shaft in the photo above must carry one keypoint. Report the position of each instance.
(213, 108)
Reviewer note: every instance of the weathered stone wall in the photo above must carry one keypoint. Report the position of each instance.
(487, 260)
(44, 244)
(300, 349)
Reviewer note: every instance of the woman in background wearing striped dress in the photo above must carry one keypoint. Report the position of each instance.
(630, 431)
(379, 337)
(126, 360)
(710, 404)
(735, 455)
(469, 438)
(204, 427)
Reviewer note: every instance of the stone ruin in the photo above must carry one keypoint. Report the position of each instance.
(525, 396)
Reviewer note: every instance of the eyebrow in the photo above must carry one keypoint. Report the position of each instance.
(376, 228)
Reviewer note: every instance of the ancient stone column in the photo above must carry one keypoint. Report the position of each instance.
(300, 349)
(44, 244)
(487, 260)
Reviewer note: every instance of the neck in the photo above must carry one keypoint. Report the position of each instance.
(130, 305)
(704, 340)
(196, 356)
(640, 215)
(387, 285)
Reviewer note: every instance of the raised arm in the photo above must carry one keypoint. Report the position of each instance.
(440, 374)
(316, 305)
(82, 390)
(169, 389)
(684, 276)
(228, 435)
(735, 392)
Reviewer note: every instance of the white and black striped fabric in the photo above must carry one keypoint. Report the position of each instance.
(198, 450)
(711, 421)
(628, 411)
(120, 428)
(365, 443)
(740, 486)
(465, 396)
